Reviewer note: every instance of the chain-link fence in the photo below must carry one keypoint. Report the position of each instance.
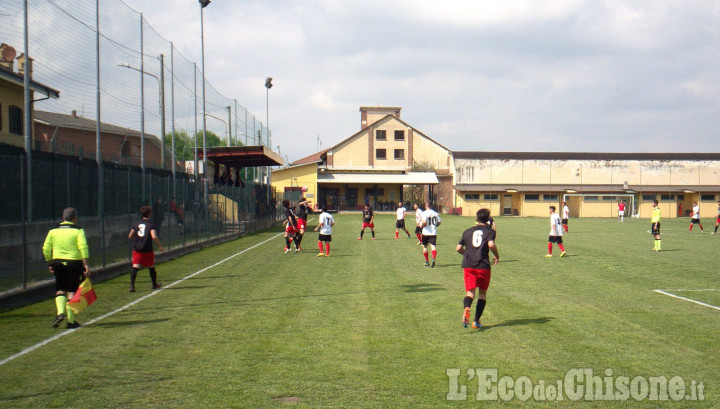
(149, 91)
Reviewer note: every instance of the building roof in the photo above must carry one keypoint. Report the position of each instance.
(574, 188)
(314, 158)
(242, 156)
(409, 178)
(584, 155)
(19, 79)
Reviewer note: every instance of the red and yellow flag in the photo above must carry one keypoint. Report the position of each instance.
(84, 296)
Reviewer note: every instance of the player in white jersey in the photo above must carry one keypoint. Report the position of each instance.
(430, 222)
(418, 221)
(565, 216)
(325, 225)
(695, 217)
(556, 233)
(400, 220)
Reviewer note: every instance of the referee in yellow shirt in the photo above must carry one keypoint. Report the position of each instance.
(656, 215)
(66, 251)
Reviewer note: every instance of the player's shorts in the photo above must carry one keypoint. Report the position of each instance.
(366, 224)
(555, 239)
(429, 240)
(621, 212)
(143, 259)
(290, 229)
(564, 221)
(300, 224)
(655, 230)
(68, 274)
(325, 237)
(476, 278)
(418, 230)
(695, 221)
(717, 220)
(400, 224)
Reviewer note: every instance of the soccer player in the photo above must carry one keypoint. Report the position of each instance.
(655, 228)
(717, 220)
(565, 216)
(66, 251)
(418, 221)
(621, 211)
(475, 246)
(430, 222)
(400, 221)
(291, 226)
(695, 218)
(325, 225)
(302, 213)
(368, 219)
(144, 234)
(556, 233)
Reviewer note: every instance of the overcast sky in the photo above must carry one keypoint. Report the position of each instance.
(556, 75)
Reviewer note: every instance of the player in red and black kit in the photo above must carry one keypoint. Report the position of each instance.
(144, 233)
(291, 227)
(302, 213)
(368, 221)
(475, 246)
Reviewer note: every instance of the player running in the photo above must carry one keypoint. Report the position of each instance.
(695, 218)
(144, 234)
(368, 219)
(400, 221)
(717, 220)
(291, 227)
(430, 222)
(475, 246)
(325, 225)
(302, 213)
(418, 221)
(556, 233)
(621, 211)
(565, 216)
(655, 227)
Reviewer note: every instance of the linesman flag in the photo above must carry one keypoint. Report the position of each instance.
(84, 296)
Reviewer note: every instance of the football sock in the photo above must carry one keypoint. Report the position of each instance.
(287, 242)
(690, 227)
(434, 254)
(61, 304)
(133, 276)
(396, 234)
(716, 228)
(327, 248)
(419, 236)
(300, 237)
(701, 228)
(425, 254)
(467, 302)
(479, 308)
(562, 248)
(295, 240)
(70, 316)
(320, 246)
(373, 233)
(362, 232)
(153, 275)
(659, 242)
(408, 233)
(549, 248)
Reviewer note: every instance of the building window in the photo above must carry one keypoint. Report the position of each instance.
(667, 197)
(491, 196)
(648, 198)
(532, 197)
(592, 198)
(399, 135)
(707, 198)
(549, 198)
(472, 196)
(380, 135)
(399, 153)
(380, 154)
(371, 192)
(15, 115)
(467, 174)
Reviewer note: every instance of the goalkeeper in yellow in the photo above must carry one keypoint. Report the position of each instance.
(656, 215)
(66, 251)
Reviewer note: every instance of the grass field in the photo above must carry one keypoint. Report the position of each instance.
(372, 327)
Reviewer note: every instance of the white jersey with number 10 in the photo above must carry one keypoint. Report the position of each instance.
(431, 219)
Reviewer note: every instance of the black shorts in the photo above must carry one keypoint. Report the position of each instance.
(564, 221)
(418, 230)
(429, 240)
(400, 224)
(695, 221)
(555, 239)
(68, 274)
(325, 237)
(655, 230)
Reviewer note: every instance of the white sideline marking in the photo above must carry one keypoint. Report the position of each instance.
(689, 299)
(126, 306)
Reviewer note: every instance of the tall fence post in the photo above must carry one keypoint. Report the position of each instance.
(98, 138)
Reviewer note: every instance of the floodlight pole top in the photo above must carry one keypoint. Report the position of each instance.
(204, 3)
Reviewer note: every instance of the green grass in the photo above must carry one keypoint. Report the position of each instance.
(372, 327)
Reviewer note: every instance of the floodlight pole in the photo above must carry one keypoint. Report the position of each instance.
(28, 112)
(202, 48)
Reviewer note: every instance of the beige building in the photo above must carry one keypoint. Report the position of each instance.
(527, 183)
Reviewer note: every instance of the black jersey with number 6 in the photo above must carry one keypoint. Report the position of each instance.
(143, 238)
(475, 240)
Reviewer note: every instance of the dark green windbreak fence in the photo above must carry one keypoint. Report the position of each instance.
(61, 181)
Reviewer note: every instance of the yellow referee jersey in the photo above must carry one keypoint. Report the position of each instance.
(66, 242)
(656, 213)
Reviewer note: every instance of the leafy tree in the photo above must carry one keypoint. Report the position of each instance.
(185, 143)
